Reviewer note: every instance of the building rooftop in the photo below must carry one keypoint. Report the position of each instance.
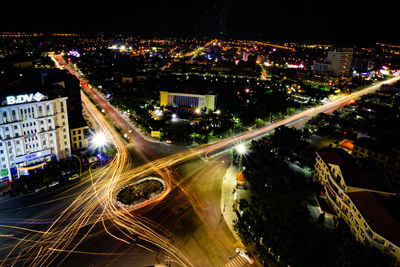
(335, 156)
(377, 216)
(366, 179)
(374, 145)
(354, 176)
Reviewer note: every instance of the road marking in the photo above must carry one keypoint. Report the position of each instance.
(236, 261)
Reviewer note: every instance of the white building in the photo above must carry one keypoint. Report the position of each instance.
(321, 67)
(33, 129)
(338, 62)
(340, 59)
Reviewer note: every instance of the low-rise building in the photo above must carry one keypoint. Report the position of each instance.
(188, 100)
(321, 67)
(354, 195)
(80, 134)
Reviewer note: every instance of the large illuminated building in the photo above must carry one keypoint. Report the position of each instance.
(338, 62)
(362, 198)
(340, 59)
(33, 130)
(168, 99)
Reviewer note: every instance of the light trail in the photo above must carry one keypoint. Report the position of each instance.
(97, 203)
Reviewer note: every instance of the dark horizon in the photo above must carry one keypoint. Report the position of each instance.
(258, 20)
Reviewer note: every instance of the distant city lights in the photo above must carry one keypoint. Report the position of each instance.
(74, 53)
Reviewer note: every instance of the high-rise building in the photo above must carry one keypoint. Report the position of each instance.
(33, 130)
(340, 60)
(245, 56)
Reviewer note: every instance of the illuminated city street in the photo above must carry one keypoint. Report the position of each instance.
(199, 134)
(93, 205)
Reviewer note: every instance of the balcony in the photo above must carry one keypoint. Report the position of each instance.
(374, 241)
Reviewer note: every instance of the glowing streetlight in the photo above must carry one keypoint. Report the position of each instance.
(241, 150)
(99, 141)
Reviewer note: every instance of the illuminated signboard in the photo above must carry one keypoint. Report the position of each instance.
(19, 99)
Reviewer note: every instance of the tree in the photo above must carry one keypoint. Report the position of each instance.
(277, 220)
(287, 140)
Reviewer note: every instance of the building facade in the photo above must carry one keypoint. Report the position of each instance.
(340, 59)
(321, 67)
(354, 196)
(33, 129)
(80, 137)
(338, 62)
(188, 100)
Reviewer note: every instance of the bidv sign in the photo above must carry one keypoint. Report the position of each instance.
(19, 99)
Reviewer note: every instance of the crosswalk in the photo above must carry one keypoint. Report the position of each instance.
(236, 261)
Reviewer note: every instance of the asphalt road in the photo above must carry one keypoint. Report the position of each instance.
(186, 223)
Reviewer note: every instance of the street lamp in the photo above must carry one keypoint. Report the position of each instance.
(100, 140)
(240, 149)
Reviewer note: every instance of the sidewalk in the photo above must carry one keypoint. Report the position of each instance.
(228, 197)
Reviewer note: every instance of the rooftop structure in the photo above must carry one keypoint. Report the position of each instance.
(352, 192)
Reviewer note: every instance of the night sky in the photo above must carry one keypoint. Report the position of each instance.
(330, 21)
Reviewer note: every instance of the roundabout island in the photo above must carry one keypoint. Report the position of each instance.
(141, 191)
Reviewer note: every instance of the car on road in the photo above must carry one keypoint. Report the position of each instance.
(73, 177)
(244, 254)
(53, 184)
(39, 189)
